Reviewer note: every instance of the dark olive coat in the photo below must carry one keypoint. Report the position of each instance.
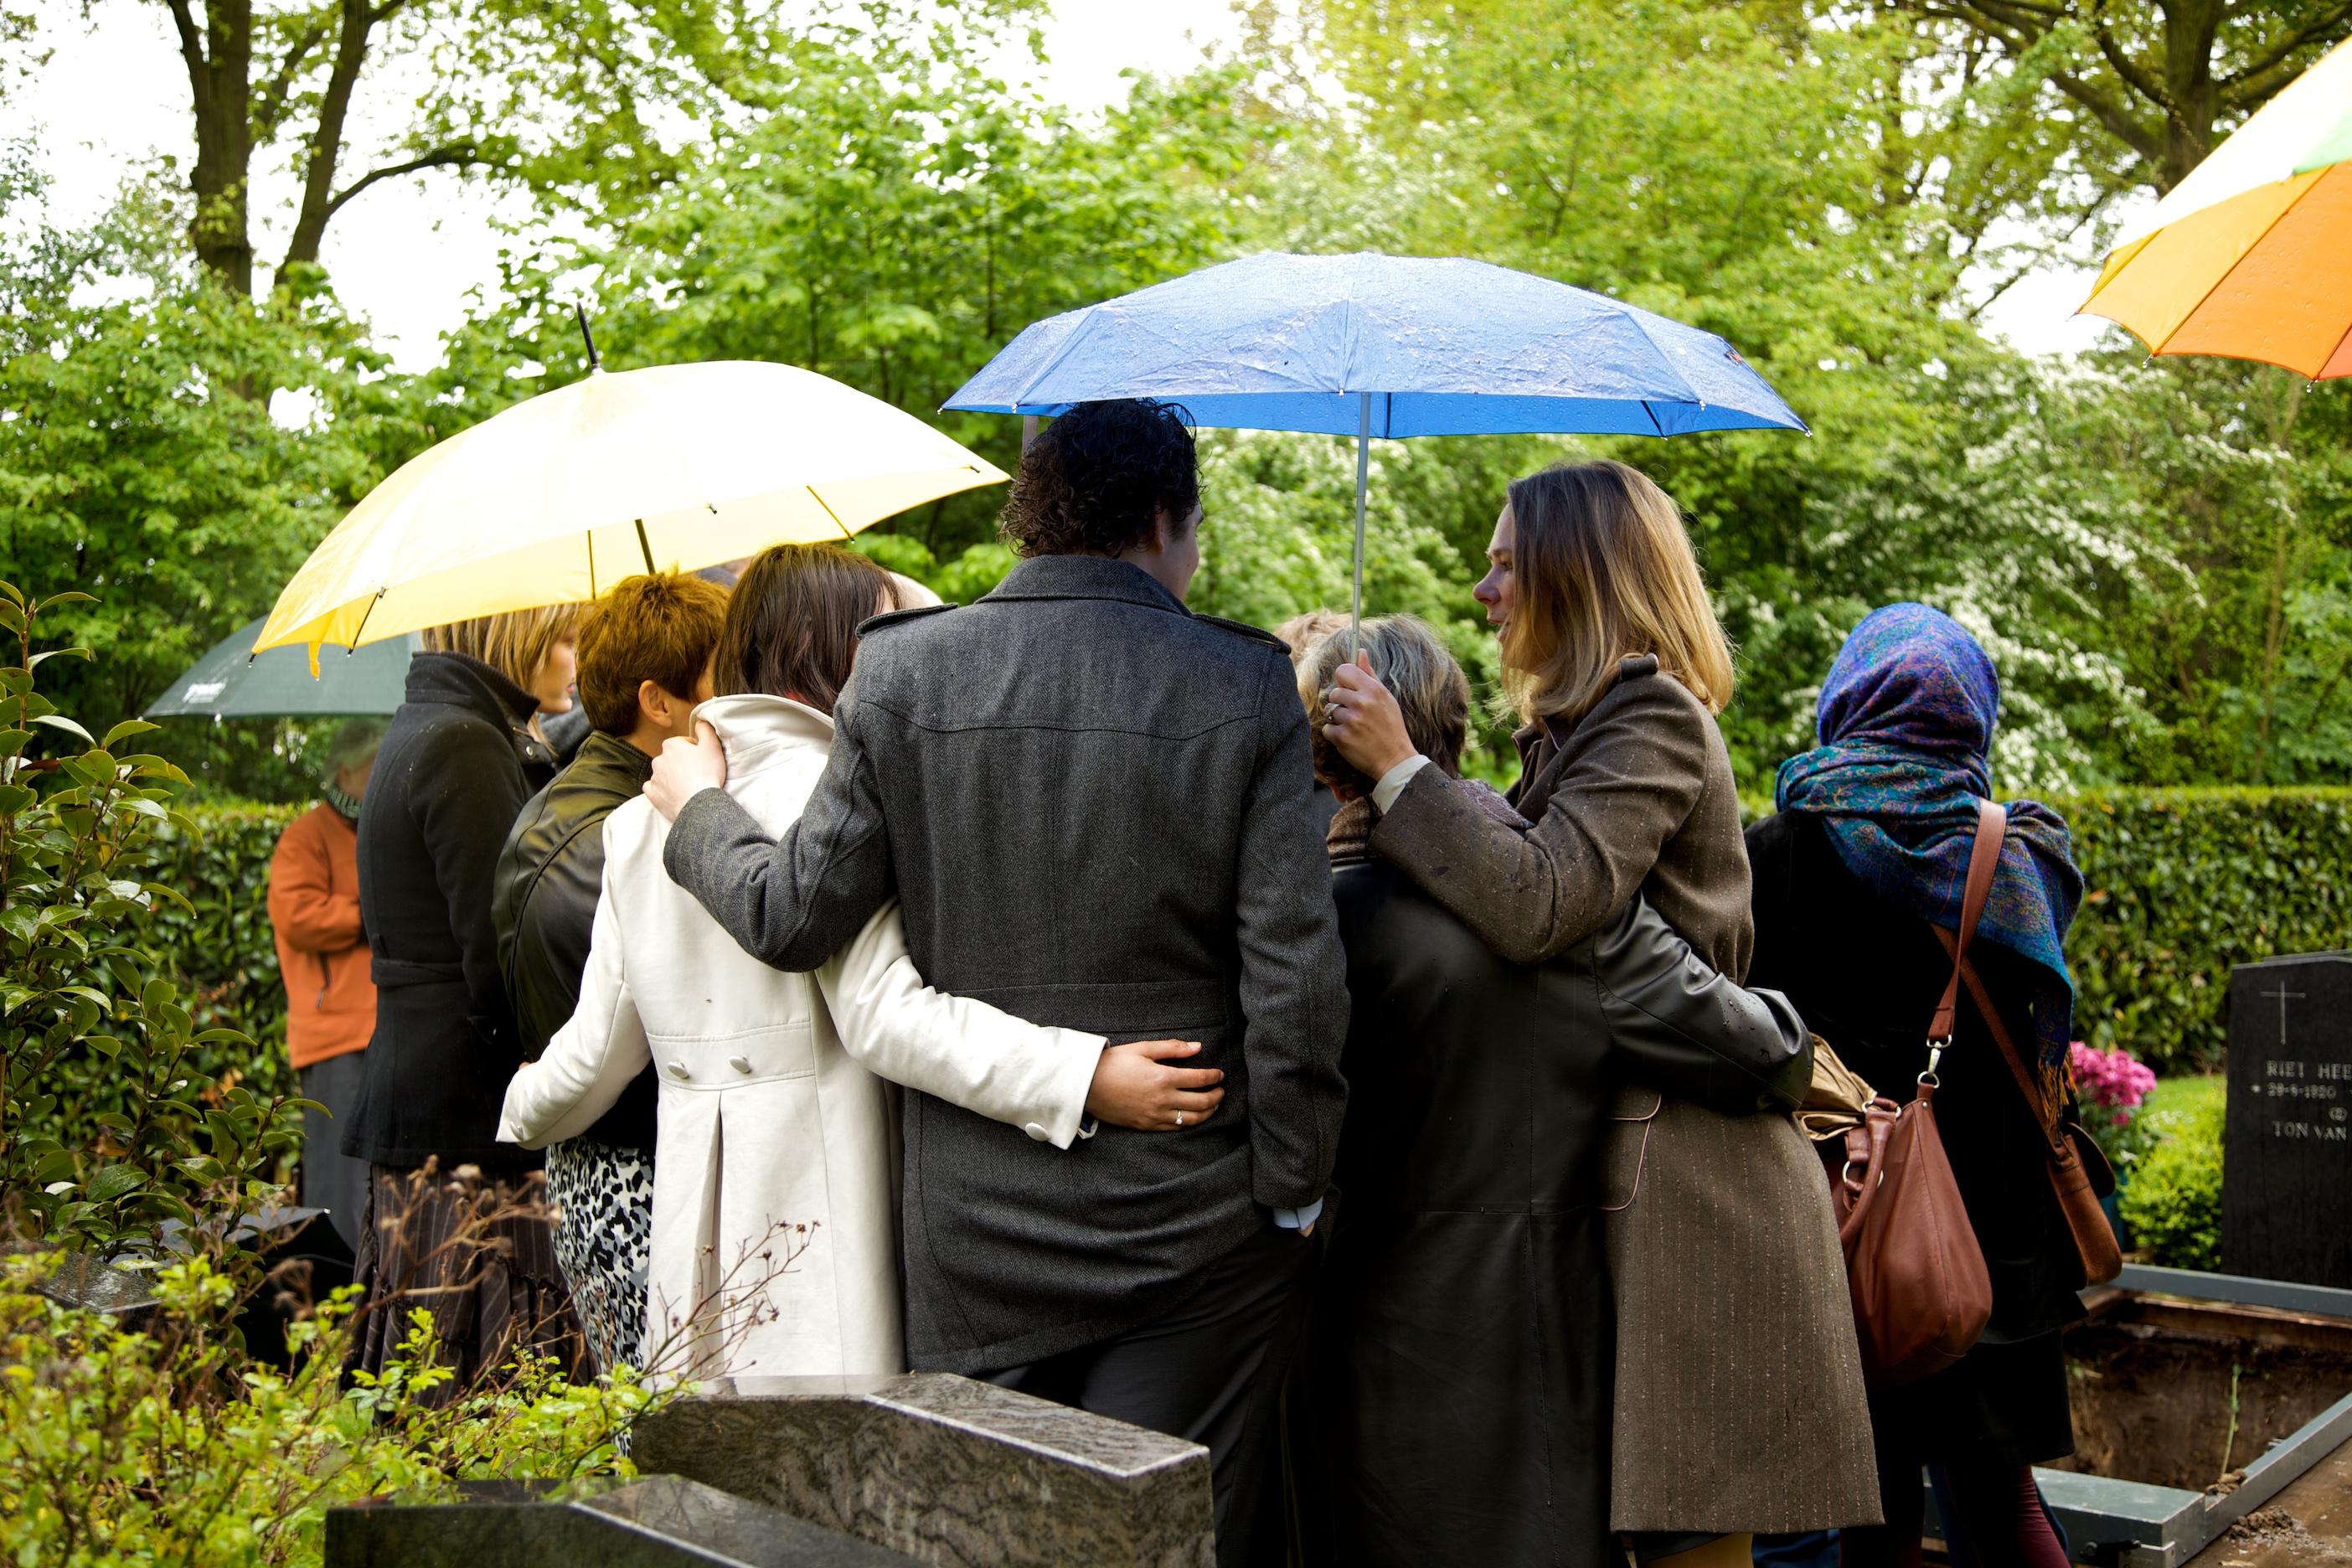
(549, 876)
(1460, 1372)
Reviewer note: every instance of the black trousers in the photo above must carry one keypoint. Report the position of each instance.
(1209, 1371)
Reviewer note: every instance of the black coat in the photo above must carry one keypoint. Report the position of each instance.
(1097, 809)
(1866, 975)
(456, 766)
(549, 876)
(1461, 1366)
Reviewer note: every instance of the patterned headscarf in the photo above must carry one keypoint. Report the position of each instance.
(1906, 724)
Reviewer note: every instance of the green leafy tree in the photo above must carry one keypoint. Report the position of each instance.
(895, 217)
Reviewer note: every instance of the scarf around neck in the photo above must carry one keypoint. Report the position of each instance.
(1906, 724)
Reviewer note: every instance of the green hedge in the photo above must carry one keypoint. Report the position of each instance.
(2179, 884)
(223, 957)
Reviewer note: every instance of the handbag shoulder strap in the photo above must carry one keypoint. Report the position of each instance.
(2025, 1084)
(1984, 859)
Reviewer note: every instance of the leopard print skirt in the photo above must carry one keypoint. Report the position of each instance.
(603, 1237)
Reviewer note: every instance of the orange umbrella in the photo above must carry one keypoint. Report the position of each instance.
(2251, 256)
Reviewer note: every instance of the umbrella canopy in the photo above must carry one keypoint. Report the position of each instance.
(230, 682)
(554, 500)
(1441, 347)
(1383, 345)
(2251, 256)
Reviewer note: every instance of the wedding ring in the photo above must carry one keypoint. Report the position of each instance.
(1180, 1118)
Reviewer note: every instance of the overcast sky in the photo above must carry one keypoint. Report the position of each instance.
(404, 254)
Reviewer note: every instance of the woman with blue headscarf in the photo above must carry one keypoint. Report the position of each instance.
(1869, 852)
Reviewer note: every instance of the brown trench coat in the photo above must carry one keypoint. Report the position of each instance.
(1739, 1402)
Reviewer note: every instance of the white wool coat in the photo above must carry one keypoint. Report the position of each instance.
(774, 1245)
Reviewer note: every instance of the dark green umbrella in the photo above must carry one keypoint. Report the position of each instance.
(230, 683)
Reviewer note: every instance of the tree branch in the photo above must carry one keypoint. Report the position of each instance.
(2316, 32)
(455, 157)
(273, 97)
(2114, 116)
(192, 38)
(2127, 68)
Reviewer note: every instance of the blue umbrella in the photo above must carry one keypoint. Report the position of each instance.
(1383, 345)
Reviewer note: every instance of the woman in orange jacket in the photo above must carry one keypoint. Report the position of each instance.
(314, 911)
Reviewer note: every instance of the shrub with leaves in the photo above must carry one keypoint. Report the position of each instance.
(80, 1002)
(165, 1446)
(2172, 1200)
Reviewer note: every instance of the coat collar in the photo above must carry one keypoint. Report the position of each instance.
(760, 730)
(462, 681)
(609, 762)
(1085, 577)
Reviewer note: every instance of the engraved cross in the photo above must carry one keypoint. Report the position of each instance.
(2283, 994)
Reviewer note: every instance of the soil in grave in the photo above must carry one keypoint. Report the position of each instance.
(2189, 1395)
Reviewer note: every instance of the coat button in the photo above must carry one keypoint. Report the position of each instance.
(740, 1064)
(678, 1069)
(1036, 1131)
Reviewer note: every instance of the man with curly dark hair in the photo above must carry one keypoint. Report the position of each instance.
(1096, 809)
(1097, 479)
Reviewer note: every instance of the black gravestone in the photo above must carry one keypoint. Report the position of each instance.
(2286, 1187)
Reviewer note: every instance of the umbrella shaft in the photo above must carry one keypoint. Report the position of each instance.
(1363, 477)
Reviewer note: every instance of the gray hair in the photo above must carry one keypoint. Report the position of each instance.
(1428, 685)
(354, 746)
(1303, 632)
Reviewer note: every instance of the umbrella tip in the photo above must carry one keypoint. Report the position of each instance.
(580, 314)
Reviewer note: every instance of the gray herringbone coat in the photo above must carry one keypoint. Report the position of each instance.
(1097, 809)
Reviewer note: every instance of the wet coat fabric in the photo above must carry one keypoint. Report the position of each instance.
(455, 766)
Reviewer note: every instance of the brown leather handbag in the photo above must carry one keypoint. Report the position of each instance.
(2078, 1200)
(1921, 1294)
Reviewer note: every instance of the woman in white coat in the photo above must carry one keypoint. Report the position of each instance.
(774, 1244)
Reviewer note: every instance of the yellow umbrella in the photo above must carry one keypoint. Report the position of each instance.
(2251, 256)
(557, 498)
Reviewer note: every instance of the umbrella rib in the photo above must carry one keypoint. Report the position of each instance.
(845, 533)
(2331, 354)
(591, 563)
(2227, 272)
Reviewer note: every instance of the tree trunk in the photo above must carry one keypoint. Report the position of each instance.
(2189, 29)
(319, 202)
(218, 53)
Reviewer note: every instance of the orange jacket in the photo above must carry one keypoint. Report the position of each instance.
(314, 911)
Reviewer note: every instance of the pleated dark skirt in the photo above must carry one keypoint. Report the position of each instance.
(478, 1253)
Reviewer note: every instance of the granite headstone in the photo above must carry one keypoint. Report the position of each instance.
(661, 1521)
(2286, 1186)
(945, 1469)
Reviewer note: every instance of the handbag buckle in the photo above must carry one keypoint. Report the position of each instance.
(1935, 1055)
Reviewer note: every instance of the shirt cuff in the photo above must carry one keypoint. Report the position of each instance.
(1393, 782)
(1299, 1219)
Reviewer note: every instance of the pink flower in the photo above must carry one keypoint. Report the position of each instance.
(2110, 1078)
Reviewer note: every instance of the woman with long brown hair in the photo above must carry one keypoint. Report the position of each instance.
(461, 757)
(1739, 1404)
